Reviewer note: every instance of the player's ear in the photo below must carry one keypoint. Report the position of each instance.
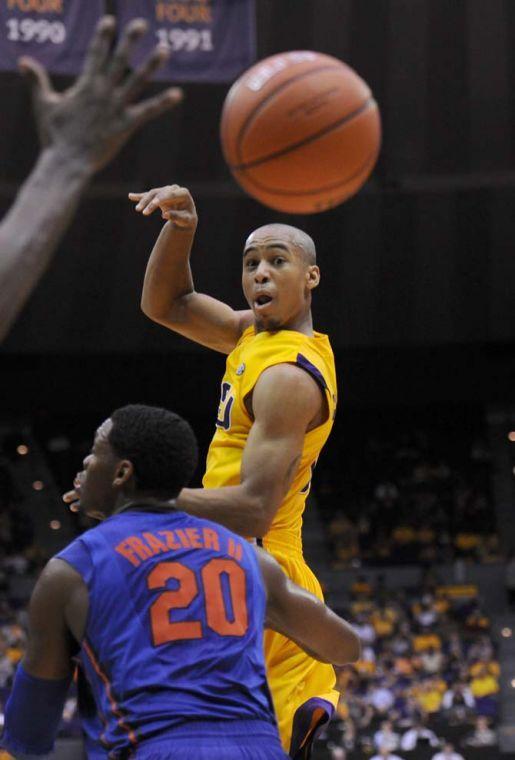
(312, 276)
(124, 472)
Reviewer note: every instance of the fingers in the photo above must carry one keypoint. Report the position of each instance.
(161, 197)
(145, 203)
(138, 79)
(37, 76)
(119, 64)
(98, 51)
(70, 496)
(153, 107)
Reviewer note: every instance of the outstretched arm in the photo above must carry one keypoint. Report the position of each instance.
(169, 296)
(81, 130)
(303, 618)
(35, 706)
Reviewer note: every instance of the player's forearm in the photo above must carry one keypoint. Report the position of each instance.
(32, 714)
(231, 506)
(30, 232)
(168, 275)
(316, 628)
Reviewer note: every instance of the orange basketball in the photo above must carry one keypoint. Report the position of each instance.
(300, 131)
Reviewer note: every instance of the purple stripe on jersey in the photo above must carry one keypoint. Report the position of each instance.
(313, 371)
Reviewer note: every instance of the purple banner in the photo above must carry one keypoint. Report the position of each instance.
(54, 32)
(209, 40)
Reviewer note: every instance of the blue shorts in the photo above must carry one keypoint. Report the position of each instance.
(221, 740)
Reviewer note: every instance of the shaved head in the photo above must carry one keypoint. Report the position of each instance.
(300, 239)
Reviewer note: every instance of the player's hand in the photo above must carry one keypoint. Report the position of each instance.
(175, 203)
(72, 497)
(91, 120)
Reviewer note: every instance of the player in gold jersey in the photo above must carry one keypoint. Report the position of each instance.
(276, 410)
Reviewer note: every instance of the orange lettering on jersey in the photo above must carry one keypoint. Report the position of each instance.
(211, 540)
(127, 552)
(155, 543)
(171, 543)
(194, 537)
(235, 549)
(141, 549)
(183, 538)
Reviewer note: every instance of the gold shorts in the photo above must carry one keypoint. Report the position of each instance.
(293, 676)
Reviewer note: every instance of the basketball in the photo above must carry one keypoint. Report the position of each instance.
(300, 131)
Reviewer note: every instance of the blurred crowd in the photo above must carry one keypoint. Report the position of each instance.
(427, 683)
(407, 497)
(428, 676)
(20, 560)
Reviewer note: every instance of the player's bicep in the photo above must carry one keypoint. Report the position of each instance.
(269, 464)
(49, 645)
(284, 401)
(207, 321)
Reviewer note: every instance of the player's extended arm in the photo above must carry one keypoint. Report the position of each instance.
(285, 400)
(35, 706)
(169, 296)
(81, 130)
(302, 617)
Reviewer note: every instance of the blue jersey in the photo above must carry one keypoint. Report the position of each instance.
(174, 631)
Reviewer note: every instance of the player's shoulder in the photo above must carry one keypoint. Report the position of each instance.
(247, 334)
(84, 552)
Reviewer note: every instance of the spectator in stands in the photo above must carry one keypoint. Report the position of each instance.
(425, 640)
(383, 619)
(477, 620)
(458, 703)
(418, 736)
(454, 645)
(485, 687)
(6, 666)
(448, 753)
(485, 661)
(425, 612)
(428, 695)
(386, 738)
(365, 629)
(483, 736)
(337, 752)
(432, 660)
(401, 642)
(361, 712)
(385, 754)
(366, 665)
(381, 697)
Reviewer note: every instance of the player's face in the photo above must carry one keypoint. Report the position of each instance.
(95, 484)
(276, 280)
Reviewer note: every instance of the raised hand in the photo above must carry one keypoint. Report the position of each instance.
(92, 119)
(175, 203)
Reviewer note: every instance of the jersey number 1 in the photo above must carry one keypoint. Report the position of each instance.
(164, 630)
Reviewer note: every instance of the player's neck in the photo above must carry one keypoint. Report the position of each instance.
(301, 323)
(145, 503)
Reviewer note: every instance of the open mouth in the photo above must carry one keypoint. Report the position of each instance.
(262, 301)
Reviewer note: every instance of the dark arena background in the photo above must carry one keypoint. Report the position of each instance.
(411, 521)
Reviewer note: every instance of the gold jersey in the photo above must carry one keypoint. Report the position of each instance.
(294, 677)
(253, 353)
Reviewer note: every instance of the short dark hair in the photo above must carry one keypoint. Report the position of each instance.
(161, 446)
